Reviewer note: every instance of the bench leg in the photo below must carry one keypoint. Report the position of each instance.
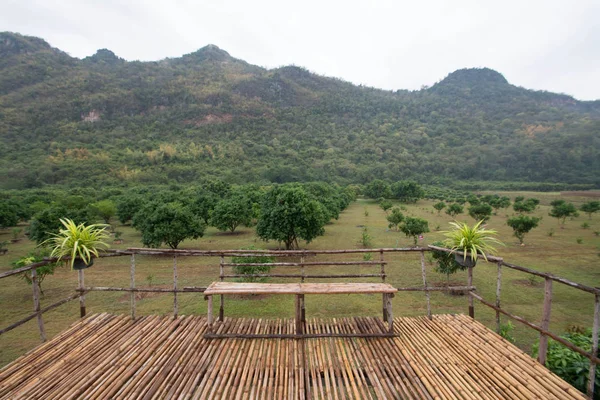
(388, 309)
(384, 305)
(221, 310)
(299, 304)
(209, 314)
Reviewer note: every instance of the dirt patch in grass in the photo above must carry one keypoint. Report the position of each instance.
(145, 295)
(451, 283)
(528, 282)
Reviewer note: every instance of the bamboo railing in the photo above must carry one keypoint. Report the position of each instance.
(304, 265)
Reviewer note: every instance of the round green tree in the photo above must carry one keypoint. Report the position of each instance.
(230, 213)
(522, 224)
(289, 214)
(413, 227)
(169, 223)
(395, 218)
(481, 211)
(439, 206)
(454, 209)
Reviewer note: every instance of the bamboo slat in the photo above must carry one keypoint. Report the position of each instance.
(448, 357)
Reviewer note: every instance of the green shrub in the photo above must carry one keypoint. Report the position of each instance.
(569, 365)
(252, 269)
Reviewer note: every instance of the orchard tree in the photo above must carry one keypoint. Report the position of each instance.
(590, 208)
(407, 191)
(376, 189)
(106, 209)
(499, 202)
(395, 218)
(481, 211)
(439, 206)
(561, 210)
(169, 223)
(385, 205)
(288, 213)
(128, 206)
(413, 227)
(522, 224)
(524, 207)
(47, 222)
(202, 205)
(454, 209)
(8, 215)
(446, 263)
(232, 212)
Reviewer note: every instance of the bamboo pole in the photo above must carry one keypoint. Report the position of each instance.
(81, 277)
(425, 285)
(221, 297)
(36, 304)
(300, 264)
(545, 325)
(32, 316)
(498, 289)
(564, 342)
(132, 286)
(470, 283)
(190, 289)
(175, 276)
(595, 332)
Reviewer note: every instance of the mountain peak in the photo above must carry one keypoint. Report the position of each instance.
(15, 43)
(209, 52)
(471, 77)
(104, 56)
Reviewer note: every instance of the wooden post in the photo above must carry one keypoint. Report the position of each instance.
(209, 314)
(81, 294)
(390, 315)
(222, 297)
(595, 331)
(132, 286)
(298, 307)
(382, 266)
(470, 284)
(425, 285)
(36, 304)
(543, 348)
(302, 269)
(175, 305)
(382, 271)
(498, 288)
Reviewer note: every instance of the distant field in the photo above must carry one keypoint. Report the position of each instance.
(560, 254)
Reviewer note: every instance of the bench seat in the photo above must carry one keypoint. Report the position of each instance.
(299, 290)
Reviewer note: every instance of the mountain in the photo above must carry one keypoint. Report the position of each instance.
(103, 120)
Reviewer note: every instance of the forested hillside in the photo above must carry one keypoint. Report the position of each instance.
(205, 115)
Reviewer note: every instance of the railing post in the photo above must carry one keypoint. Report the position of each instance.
(595, 331)
(498, 289)
(382, 266)
(384, 303)
(302, 269)
(425, 285)
(221, 297)
(470, 284)
(132, 286)
(81, 293)
(543, 348)
(36, 303)
(175, 305)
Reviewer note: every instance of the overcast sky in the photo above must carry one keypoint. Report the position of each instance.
(549, 45)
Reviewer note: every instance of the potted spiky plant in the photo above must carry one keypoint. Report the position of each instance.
(471, 241)
(79, 242)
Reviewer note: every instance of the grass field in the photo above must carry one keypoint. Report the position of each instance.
(572, 252)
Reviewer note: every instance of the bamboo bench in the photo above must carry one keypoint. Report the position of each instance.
(299, 290)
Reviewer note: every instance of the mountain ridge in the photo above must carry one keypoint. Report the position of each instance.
(207, 114)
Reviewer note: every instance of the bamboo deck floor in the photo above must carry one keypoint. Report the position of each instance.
(108, 356)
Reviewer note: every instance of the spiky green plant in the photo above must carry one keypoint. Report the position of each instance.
(471, 240)
(78, 241)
